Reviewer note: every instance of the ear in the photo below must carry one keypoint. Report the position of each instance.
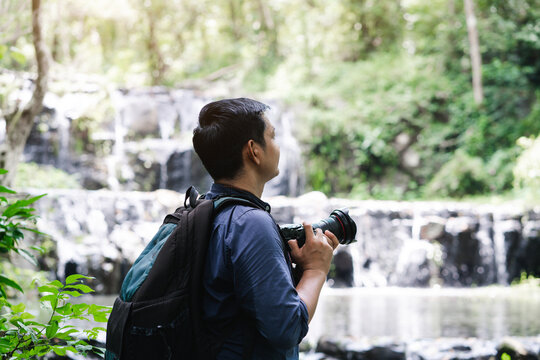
(253, 151)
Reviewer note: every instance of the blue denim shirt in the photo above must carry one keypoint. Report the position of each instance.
(248, 285)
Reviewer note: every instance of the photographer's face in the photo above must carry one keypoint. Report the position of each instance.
(269, 165)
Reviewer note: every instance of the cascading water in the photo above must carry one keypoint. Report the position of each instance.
(500, 252)
(146, 145)
(399, 244)
(406, 245)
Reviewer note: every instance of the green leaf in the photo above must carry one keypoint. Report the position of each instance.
(17, 56)
(39, 249)
(29, 331)
(48, 289)
(20, 207)
(27, 256)
(27, 315)
(72, 293)
(73, 278)
(3, 171)
(52, 299)
(10, 283)
(35, 231)
(65, 335)
(100, 318)
(67, 309)
(59, 350)
(72, 349)
(7, 344)
(48, 298)
(52, 329)
(4, 189)
(84, 288)
(18, 308)
(56, 284)
(80, 308)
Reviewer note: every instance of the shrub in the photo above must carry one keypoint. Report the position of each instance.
(527, 168)
(462, 175)
(22, 336)
(32, 175)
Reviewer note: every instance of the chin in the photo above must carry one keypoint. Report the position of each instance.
(276, 173)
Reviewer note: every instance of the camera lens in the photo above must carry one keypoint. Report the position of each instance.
(339, 223)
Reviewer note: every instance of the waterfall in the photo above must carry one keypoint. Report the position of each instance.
(100, 233)
(145, 144)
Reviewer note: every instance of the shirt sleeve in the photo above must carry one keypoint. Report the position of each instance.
(262, 279)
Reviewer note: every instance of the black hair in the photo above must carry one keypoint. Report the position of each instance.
(225, 126)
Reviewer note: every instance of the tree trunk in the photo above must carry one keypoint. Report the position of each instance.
(157, 65)
(476, 59)
(450, 51)
(234, 11)
(19, 124)
(269, 28)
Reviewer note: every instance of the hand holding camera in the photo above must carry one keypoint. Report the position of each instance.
(316, 252)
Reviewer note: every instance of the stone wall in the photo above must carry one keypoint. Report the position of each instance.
(101, 233)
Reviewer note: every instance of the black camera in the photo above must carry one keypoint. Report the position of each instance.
(339, 223)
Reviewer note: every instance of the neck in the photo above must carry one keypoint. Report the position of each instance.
(244, 183)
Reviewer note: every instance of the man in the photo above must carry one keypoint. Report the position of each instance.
(250, 296)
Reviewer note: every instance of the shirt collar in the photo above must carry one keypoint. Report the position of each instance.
(220, 189)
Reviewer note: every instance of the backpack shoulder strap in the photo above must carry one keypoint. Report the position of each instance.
(222, 202)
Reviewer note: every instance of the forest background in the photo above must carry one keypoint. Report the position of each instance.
(383, 90)
(404, 100)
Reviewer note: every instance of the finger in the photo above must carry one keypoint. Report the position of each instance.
(293, 244)
(308, 230)
(328, 240)
(334, 240)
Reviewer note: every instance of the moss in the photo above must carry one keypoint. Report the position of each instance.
(32, 175)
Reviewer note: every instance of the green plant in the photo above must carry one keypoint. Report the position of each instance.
(462, 175)
(22, 336)
(32, 175)
(526, 280)
(527, 168)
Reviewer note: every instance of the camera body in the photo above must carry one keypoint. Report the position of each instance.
(339, 223)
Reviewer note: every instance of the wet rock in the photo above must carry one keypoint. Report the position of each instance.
(343, 273)
(331, 347)
(433, 229)
(431, 349)
(531, 245)
(388, 352)
(518, 349)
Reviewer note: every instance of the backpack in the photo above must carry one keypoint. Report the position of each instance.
(158, 312)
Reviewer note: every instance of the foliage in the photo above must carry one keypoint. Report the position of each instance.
(388, 83)
(32, 175)
(22, 335)
(425, 99)
(462, 175)
(24, 338)
(527, 168)
(526, 280)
